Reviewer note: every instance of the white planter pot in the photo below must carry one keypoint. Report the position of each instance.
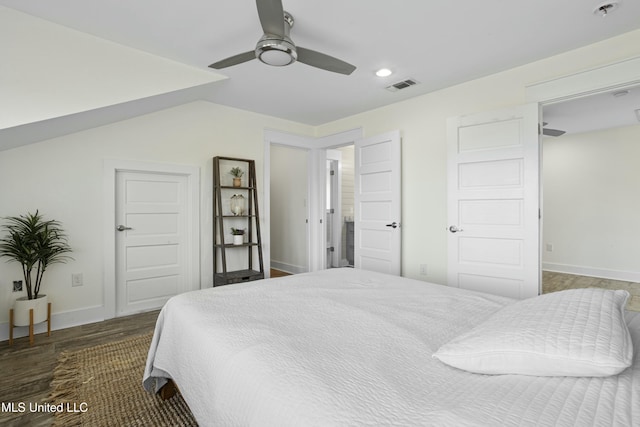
(22, 306)
(238, 239)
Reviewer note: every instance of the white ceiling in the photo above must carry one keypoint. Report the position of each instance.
(439, 44)
(595, 112)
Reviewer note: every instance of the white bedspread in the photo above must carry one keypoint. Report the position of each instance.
(346, 347)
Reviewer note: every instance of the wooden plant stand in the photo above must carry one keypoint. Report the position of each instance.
(11, 325)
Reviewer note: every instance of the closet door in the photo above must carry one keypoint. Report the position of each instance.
(493, 208)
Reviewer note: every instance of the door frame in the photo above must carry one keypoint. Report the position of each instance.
(273, 137)
(266, 225)
(317, 147)
(323, 144)
(110, 168)
(613, 76)
(617, 75)
(334, 155)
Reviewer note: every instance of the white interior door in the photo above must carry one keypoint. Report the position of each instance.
(378, 239)
(151, 226)
(494, 201)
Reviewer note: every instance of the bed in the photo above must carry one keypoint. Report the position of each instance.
(347, 347)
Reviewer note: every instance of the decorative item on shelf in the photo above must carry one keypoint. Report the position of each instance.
(35, 243)
(238, 236)
(237, 173)
(237, 204)
(237, 255)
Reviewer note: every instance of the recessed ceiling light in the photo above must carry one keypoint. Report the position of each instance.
(383, 72)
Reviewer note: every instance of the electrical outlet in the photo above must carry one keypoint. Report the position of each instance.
(423, 269)
(549, 247)
(76, 279)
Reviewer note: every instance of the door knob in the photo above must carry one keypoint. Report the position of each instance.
(393, 225)
(123, 228)
(454, 229)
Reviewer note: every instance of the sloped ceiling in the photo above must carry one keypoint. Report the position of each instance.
(90, 61)
(56, 73)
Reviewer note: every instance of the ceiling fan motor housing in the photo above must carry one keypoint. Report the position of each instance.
(276, 48)
(277, 51)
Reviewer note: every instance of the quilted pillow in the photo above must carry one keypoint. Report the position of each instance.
(578, 332)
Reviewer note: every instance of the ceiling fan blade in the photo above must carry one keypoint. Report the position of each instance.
(553, 132)
(234, 60)
(325, 62)
(271, 16)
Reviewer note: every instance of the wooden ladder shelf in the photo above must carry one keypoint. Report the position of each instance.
(242, 262)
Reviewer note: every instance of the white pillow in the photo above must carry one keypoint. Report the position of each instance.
(578, 332)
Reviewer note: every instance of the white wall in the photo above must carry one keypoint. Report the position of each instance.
(422, 121)
(348, 194)
(591, 203)
(62, 177)
(289, 208)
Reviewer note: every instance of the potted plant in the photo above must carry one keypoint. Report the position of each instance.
(237, 173)
(36, 244)
(238, 235)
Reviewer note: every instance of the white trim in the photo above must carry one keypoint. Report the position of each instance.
(317, 206)
(323, 144)
(336, 155)
(617, 75)
(61, 320)
(289, 139)
(316, 171)
(273, 137)
(288, 268)
(110, 167)
(625, 276)
(340, 139)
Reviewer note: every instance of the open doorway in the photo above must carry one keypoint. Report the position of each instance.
(339, 203)
(289, 210)
(590, 201)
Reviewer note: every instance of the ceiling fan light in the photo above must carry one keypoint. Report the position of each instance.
(276, 52)
(276, 57)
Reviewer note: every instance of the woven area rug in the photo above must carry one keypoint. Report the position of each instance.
(102, 386)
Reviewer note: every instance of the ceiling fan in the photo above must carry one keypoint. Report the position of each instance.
(276, 48)
(551, 132)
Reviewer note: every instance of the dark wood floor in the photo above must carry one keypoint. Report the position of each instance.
(26, 371)
(278, 273)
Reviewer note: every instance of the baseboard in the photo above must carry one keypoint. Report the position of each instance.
(625, 276)
(288, 268)
(61, 320)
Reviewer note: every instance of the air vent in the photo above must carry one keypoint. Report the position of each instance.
(402, 85)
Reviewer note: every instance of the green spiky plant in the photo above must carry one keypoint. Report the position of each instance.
(236, 172)
(35, 243)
